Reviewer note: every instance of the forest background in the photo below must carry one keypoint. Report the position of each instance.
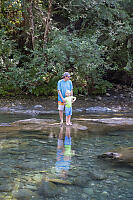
(40, 39)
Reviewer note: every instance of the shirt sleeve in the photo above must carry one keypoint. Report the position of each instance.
(71, 85)
(59, 85)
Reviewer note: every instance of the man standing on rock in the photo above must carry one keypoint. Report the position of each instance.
(64, 84)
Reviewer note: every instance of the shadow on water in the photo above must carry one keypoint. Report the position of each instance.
(62, 163)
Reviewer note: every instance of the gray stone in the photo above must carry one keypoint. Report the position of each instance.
(4, 173)
(79, 127)
(78, 110)
(5, 188)
(81, 181)
(30, 165)
(99, 98)
(98, 109)
(88, 191)
(97, 174)
(124, 174)
(38, 107)
(105, 194)
(25, 194)
(48, 189)
(108, 95)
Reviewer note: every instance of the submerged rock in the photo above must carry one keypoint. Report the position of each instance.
(48, 189)
(96, 174)
(58, 181)
(5, 188)
(30, 165)
(123, 155)
(25, 194)
(81, 180)
(98, 109)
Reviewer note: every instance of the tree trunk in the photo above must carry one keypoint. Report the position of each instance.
(48, 21)
(32, 28)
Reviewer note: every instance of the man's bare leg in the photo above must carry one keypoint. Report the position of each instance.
(61, 116)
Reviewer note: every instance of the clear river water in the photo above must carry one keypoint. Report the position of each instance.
(66, 158)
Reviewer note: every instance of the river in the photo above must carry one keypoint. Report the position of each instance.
(62, 162)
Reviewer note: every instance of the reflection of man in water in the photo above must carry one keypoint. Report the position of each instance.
(63, 152)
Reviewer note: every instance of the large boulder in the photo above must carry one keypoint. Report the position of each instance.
(122, 155)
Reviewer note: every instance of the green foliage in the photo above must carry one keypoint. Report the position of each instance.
(101, 86)
(89, 38)
(47, 87)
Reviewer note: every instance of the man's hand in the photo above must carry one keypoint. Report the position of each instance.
(64, 101)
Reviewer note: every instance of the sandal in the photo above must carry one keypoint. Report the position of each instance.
(61, 123)
(67, 124)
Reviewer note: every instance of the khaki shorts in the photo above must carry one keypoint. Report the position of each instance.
(61, 107)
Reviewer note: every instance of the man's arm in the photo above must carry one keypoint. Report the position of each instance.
(59, 92)
(71, 92)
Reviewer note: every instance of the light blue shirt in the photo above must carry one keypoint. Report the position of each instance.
(63, 86)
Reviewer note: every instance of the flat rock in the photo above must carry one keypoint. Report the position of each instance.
(33, 121)
(117, 121)
(39, 124)
(111, 121)
(91, 124)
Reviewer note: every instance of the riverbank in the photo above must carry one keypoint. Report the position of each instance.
(120, 98)
(117, 102)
